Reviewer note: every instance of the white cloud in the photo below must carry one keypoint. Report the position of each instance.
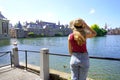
(92, 11)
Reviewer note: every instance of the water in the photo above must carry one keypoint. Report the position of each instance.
(107, 46)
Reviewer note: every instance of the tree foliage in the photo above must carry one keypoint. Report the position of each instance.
(99, 31)
(31, 34)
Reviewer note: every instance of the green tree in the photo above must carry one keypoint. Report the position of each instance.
(31, 34)
(99, 31)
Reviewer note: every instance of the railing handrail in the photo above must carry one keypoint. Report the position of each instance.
(67, 55)
(44, 59)
(29, 51)
(5, 53)
(104, 58)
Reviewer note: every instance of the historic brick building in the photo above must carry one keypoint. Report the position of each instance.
(4, 29)
(39, 28)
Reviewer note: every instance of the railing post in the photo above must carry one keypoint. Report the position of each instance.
(11, 58)
(15, 55)
(44, 64)
(26, 59)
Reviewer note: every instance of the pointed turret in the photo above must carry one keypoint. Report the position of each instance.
(1, 16)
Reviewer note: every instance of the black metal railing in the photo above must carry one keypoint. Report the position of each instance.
(26, 56)
(92, 57)
(99, 66)
(101, 59)
(6, 53)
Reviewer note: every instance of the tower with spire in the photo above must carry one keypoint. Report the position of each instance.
(59, 23)
(106, 26)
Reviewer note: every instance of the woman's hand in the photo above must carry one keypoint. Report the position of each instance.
(91, 33)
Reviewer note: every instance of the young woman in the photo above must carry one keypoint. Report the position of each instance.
(79, 62)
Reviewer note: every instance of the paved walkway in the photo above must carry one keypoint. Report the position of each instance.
(8, 73)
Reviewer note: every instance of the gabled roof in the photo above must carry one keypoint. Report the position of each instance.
(19, 25)
(1, 16)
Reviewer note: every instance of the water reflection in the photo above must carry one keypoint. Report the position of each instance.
(4, 42)
(107, 46)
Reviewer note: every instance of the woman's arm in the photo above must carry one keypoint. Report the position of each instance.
(69, 46)
(91, 33)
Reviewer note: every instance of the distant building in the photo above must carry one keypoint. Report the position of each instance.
(17, 33)
(114, 31)
(4, 29)
(46, 28)
(19, 25)
(39, 28)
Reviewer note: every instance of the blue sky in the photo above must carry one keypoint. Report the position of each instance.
(92, 11)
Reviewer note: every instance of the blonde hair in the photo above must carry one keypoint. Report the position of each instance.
(79, 37)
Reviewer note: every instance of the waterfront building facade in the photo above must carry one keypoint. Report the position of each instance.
(115, 31)
(39, 28)
(110, 31)
(4, 29)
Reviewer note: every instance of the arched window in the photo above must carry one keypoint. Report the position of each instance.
(4, 28)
